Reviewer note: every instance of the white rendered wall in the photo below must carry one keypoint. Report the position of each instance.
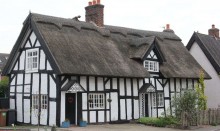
(63, 109)
(212, 90)
(52, 115)
(27, 110)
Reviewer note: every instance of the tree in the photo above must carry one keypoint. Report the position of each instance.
(4, 86)
(200, 89)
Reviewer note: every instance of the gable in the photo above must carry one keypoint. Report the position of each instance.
(210, 47)
(200, 56)
(29, 43)
(154, 53)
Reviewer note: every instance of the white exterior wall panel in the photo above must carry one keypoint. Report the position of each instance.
(42, 60)
(27, 111)
(114, 106)
(52, 115)
(22, 61)
(53, 89)
(128, 87)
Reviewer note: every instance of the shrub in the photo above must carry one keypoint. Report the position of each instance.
(185, 103)
(158, 122)
(3, 86)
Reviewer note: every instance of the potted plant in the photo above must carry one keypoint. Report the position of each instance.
(65, 123)
(82, 123)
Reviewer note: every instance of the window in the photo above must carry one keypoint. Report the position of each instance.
(151, 65)
(32, 60)
(44, 101)
(0, 61)
(96, 101)
(36, 99)
(160, 100)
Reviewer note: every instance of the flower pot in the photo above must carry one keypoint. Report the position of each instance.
(82, 123)
(65, 124)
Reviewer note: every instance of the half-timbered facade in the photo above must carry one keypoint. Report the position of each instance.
(66, 68)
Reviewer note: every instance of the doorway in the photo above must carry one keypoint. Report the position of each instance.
(146, 106)
(71, 107)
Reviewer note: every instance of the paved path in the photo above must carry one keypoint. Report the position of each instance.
(120, 127)
(133, 127)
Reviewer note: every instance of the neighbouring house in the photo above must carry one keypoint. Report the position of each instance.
(76, 70)
(3, 60)
(206, 50)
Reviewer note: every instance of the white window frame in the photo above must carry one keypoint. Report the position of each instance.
(96, 100)
(36, 99)
(152, 66)
(44, 101)
(32, 60)
(160, 99)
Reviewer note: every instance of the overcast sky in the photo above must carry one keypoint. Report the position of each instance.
(184, 16)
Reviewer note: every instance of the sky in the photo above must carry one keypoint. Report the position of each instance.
(184, 16)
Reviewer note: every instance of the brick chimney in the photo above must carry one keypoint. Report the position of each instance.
(167, 29)
(95, 12)
(214, 31)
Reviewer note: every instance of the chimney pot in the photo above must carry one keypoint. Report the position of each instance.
(213, 26)
(167, 29)
(168, 26)
(214, 31)
(98, 1)
(94, 2)
(90, 3)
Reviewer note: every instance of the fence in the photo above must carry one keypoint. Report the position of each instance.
(4, 103)
(202, 117)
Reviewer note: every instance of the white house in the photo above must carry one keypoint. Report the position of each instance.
(66, 68)
(206, 50)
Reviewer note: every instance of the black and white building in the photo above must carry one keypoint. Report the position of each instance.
(66, 68)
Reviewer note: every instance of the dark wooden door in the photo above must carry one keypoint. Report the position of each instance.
(146, 106)
(71, 107)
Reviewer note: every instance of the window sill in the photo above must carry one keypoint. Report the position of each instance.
(31, 71)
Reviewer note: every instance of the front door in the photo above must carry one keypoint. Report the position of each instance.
(71, 107)
(146, 106)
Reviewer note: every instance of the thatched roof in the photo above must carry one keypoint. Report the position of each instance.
(210, 45)
(83, 48)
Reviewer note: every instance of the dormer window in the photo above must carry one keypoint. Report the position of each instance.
(152, 66)
(32, 60)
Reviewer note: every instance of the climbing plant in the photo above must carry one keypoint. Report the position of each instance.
(200, 89)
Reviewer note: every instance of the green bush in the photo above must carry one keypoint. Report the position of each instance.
(158, 122)
(3, 86)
